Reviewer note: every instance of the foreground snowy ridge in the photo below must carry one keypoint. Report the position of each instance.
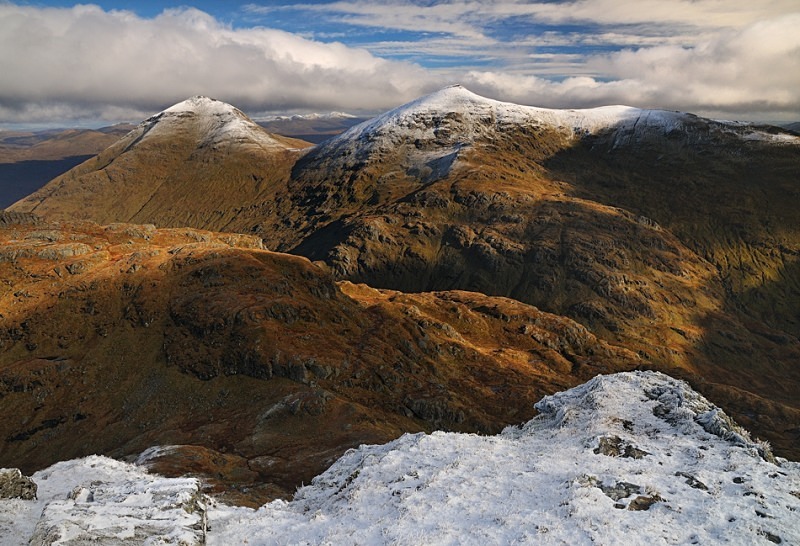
(633, 458)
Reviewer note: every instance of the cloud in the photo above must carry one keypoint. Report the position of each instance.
(753, 70)
(84, 61)
(473, 18)
(731, 58)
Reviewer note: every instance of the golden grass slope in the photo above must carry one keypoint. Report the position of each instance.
(167, 172)
(257, 365)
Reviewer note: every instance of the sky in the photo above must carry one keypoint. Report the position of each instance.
(65, 64)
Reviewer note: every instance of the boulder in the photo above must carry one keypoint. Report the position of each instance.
(13, 485)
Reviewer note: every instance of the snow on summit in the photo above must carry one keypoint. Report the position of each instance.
(213, 122)
(473, 110)
(630, 458)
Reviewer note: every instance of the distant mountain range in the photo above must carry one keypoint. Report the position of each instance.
(28, 160)
(506, 252)
(314, 128)
(793, 126)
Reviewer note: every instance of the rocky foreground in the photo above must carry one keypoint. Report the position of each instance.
(629, 458)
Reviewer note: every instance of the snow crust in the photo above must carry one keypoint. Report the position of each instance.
(97, 500)
(544, 483)
(215, 122)
(630, 458)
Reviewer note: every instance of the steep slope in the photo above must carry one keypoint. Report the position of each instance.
(255, 367)
(458, 191)
(186, 166)
(626, 458)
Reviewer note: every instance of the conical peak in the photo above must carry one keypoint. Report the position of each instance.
(210, 121)
(204, 106)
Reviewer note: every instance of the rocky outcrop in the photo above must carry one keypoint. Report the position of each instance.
(13, 485)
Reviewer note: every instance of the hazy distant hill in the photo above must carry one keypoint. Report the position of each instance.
(28, 160)
(793, 126)
(313, 128)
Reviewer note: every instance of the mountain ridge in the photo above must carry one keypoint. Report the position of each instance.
(652, 235)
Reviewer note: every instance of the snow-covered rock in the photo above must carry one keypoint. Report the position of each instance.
(97, 500)
(681, 473)
(630, 458)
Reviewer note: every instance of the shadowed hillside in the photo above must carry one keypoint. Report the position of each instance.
(257, 366)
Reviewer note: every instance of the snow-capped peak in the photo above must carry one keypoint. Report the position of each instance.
(472, 115)
(211, 122)
(203, 105)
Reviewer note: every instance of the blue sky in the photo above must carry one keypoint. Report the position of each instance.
(114, 60)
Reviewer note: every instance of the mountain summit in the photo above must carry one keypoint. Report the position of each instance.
(188, 165)
(213, 123)
(457, 112)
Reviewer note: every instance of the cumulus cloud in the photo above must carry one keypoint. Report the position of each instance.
(751, 70)
(84, 61)
(730, 58)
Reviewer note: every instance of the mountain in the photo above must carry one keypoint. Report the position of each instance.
(314, 128)
(673, 236)
(584, 471)
(185, 166)
(793, 126)
(28, 160)
(255, 367)
(644, 226)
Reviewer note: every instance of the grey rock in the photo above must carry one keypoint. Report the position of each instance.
(14, 485)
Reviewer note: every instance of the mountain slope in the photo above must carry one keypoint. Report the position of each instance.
(186, 166)
(625, 458)
(674, 236)
(628, 221)
(255, 367)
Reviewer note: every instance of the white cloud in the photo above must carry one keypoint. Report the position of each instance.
(751, 72)
(85, 61)
(731, 58)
